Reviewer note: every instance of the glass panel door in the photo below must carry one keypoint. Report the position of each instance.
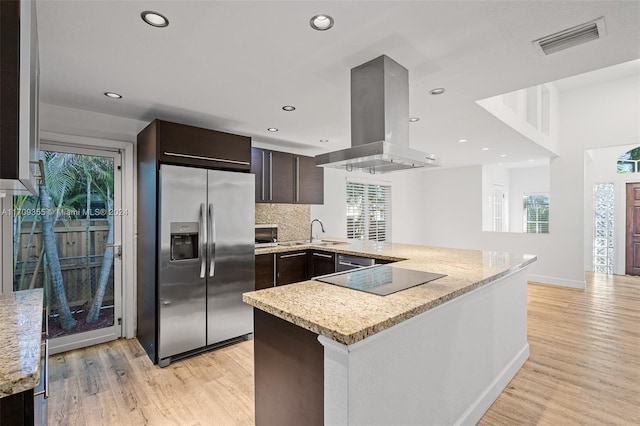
(63, 241)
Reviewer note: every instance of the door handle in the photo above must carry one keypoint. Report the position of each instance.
(270, 176)
(117, 248)
(297, 179)
(284, 256)
(328, 256)
(212, 241)
(203, 257)
(264, 176)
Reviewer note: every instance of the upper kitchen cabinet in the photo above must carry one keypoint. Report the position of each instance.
(282, 177)
(274, 176)
(19, 97)
(309, 181)
(179, 144)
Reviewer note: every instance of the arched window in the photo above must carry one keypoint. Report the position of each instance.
(628, 162)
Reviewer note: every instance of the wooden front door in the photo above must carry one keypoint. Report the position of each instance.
(633, 230)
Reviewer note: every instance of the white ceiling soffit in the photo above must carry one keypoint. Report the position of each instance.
(231, 66)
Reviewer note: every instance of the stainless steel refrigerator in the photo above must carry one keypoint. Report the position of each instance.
(206, 258)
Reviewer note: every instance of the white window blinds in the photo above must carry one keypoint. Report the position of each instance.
(368, 211)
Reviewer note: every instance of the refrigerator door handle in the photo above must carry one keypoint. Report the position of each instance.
(203, 257)
(212, 241)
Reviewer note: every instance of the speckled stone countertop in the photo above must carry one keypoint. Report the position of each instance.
(348, 316)
(20, 336)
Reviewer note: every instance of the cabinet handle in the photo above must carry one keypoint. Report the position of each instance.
(270, 176)
(199, 157)
(323, 255)
(263, 176)
(297, 179)
(275, 275)
(293, 255)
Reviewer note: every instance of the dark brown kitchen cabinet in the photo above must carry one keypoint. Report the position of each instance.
(309, 181)
(265, 271)
(291, 267)
(274, 176)
(321, 263)
(282, 177)
(179, 144)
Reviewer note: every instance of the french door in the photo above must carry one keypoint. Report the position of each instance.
(66, 240)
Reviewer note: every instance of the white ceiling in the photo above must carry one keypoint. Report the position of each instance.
(231, 66)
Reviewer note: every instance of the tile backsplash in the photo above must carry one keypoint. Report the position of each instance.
(293, 219)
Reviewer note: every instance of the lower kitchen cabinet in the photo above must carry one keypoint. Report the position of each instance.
(321, 263)
(265, 271)
(291, 267)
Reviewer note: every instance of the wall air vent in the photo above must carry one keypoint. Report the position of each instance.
(571, 37)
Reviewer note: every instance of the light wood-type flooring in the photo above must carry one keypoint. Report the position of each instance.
(584, 369)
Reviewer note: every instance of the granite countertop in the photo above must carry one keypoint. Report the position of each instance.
(348, 316)
(20, 337)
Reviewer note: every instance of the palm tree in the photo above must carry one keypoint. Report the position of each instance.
(57, 183)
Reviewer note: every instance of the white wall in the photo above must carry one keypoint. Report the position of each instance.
(602, 115)
(406, 203)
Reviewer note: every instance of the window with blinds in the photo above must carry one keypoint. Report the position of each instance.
(368, 211)
(536, 214)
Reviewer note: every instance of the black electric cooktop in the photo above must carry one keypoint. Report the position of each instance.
(380, 279)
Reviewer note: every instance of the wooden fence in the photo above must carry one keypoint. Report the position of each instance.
(80, 245)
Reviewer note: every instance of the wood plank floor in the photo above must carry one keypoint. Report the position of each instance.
(584, 369)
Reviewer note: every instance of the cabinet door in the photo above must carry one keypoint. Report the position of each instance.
(309, 181)
(265, 276)
(258, 168)
(187, 145)
(281, 177)
(291, 267)
(321, 263)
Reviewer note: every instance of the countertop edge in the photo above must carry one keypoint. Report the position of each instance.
(20, 369)
(348, 339)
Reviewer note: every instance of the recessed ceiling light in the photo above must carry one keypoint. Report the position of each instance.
(324, 140)
(530, 159)
(503, 155)
(154, 19)
(289, 108)
(272, 129)
(112, 95)
(437, 91)
(462, 140)
(485, 149)
(321, 22)
(414, 119)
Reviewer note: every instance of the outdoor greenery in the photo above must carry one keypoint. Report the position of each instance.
(75, 185)
(628, 162)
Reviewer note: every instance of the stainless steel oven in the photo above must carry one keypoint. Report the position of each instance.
(266, 235)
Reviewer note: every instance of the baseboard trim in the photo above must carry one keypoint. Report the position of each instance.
(474, 413)
(557, 281)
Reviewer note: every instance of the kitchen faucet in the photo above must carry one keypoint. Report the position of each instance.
(311, 230)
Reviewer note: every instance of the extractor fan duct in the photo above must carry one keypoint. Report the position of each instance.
(379, 122)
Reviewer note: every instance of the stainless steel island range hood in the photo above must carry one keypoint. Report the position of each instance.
(379, 122)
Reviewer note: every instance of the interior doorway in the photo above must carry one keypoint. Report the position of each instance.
(632, 246)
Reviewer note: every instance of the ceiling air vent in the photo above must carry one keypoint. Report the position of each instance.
(571, 37)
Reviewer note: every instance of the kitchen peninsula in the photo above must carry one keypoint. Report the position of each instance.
(436, 353)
